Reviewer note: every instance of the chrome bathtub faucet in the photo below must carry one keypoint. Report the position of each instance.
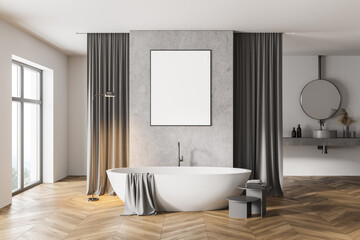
(182, 157)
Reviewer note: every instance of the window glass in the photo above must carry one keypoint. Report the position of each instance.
(31, 84)
(16, 145)
(31, 143)
(16, 80)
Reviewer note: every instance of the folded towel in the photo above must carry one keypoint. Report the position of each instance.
(254, 181)
(140, 194)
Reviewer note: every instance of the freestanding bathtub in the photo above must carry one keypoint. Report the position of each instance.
(186, 188)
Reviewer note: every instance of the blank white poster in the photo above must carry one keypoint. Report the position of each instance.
(180, 88)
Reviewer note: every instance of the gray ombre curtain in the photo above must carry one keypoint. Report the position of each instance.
(108, 70)
(258, 106)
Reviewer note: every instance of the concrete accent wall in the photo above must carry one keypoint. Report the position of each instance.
(201, 146)
(344, 72)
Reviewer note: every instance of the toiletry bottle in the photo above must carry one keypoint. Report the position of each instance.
(293, 133)
(298, 131)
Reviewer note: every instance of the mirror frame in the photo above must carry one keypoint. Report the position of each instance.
(340, 100)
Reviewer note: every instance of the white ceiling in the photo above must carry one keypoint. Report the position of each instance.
(328, 27)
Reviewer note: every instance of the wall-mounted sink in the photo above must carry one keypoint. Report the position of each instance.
(318, 133)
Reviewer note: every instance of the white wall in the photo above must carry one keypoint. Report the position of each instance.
(15, 41)
(77, 106)
(344, 72)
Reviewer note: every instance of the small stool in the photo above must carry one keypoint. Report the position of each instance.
(240, 206)
(258, 191)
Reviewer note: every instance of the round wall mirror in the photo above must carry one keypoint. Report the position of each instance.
(320, 99)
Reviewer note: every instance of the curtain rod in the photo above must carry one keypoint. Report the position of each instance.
(98, 32)
(288, 33)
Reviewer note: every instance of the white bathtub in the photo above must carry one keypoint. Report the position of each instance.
(187, 188)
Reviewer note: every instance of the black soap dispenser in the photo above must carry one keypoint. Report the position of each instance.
(298, 131)
(293, 133)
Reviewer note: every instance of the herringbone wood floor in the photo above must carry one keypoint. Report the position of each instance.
(312, 208)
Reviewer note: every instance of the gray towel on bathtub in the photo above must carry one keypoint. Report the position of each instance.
(140, 194)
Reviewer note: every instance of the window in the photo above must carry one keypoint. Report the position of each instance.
(26, 127)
